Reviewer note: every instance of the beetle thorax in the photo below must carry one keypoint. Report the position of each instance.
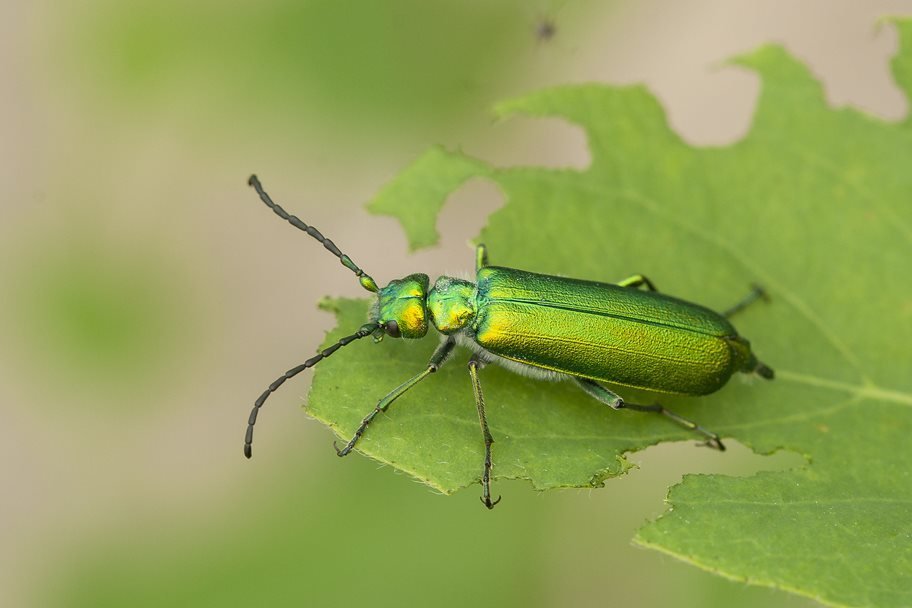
(451, 304)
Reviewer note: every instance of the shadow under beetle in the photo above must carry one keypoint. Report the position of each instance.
(548, 328)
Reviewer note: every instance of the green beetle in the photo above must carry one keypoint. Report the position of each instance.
(548, 328)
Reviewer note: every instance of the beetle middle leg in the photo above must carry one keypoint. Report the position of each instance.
(481, 257)
(436, 362)
(638, 280)
(474, 364)
(607, 397)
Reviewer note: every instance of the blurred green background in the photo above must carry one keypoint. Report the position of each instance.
(148, 297)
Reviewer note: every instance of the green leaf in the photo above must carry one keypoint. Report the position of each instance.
(814, 204)
(419, 192)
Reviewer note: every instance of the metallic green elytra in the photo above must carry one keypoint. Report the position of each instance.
(549, 328)
(606, 332)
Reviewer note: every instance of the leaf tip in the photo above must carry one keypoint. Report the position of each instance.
(761, 58)
(329, 304)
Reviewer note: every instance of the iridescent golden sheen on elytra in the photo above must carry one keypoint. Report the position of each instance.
(607, 332)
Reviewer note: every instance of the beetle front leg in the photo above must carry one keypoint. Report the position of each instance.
(607, 397)
(436, 362)
(474, 364)
(638, 280)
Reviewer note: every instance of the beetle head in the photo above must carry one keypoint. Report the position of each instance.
(401, 308)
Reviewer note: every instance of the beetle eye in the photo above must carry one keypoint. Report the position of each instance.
(392, 329)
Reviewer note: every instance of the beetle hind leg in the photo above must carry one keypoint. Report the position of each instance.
(757, 292)
(607, 397)
(712, 439)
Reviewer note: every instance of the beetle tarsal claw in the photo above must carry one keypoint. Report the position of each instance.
(488, 502)
(714, 443)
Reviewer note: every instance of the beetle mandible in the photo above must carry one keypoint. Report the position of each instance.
(549, 328)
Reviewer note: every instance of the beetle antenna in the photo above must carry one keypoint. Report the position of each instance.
(366, 330)
(366, 281)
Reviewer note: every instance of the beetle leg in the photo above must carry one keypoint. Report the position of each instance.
(474, 364)
(757, 293)
(437, 360)
(712, 439)
(607, 397)
(638, 280)
(481, 257)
